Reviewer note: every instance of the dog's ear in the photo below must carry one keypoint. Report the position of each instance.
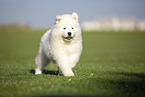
(75, 16)
(58, 19)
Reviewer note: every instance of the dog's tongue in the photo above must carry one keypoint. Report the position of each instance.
(68, 37)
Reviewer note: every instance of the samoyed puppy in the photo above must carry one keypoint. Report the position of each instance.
(62, 45)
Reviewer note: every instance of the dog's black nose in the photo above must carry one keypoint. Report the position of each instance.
(69, 33)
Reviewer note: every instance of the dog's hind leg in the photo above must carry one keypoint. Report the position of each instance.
(41, 62)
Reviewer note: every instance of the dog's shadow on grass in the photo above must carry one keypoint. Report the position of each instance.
(50, 72)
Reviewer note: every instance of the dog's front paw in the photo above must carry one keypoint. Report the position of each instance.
(67, 73)
(38, 72)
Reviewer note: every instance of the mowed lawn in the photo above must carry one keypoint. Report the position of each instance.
(112, 65)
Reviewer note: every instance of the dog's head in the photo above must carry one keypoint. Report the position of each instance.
(67, 26)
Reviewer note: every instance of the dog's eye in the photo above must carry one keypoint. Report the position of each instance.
(64, 28)
(72, 27)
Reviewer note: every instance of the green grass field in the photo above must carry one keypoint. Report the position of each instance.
(112, 65)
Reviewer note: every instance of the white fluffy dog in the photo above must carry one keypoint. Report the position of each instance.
(61, 45)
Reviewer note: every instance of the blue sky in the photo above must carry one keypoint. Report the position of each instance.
(41, 13)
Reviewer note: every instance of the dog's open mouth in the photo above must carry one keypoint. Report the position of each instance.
(68, 38)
